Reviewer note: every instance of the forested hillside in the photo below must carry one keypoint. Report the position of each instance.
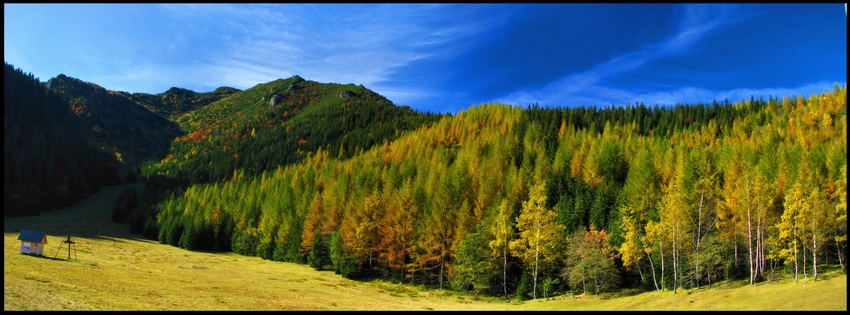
(50, 159)
(269, 125)
(524, 201)
(276, 124)
(120, 125)
(176, 101)
(499, 199)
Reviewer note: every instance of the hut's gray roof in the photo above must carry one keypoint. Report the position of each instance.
(32, 236)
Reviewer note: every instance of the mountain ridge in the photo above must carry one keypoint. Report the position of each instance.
(268, 125)
(279, 122)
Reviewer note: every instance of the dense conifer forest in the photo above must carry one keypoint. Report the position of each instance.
(511, 200)
(499, 199)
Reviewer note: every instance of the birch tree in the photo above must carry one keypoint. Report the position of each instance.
(674, 216)
(539, 233)
(702, 213)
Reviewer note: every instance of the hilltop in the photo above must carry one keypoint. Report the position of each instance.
(278, 123)
(177, 101)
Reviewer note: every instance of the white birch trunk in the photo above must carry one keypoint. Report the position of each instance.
(652, 266)
(750, 243)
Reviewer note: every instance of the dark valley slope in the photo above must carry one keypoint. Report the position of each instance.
(49, 156)
(120, 125)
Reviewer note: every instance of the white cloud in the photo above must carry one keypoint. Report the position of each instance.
(693, 95)
(600, 96)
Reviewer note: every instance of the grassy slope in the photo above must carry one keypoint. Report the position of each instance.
(135, 274)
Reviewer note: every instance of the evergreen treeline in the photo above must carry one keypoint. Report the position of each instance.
(50, 160)
(514, 201)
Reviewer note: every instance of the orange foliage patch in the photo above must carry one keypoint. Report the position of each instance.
(198, 135)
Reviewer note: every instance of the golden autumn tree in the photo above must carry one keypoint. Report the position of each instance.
(360, 228)
(674, 214)
(590, 259)
(789, 227)
(439, 232)
(397, 228)
(840, 216)
(312, 224)
(503, 233)
(539, 233)
(701, 210)
(641, 193)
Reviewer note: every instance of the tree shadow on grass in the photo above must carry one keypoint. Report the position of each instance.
(46, 257)
(621, 293)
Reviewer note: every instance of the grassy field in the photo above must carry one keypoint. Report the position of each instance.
(121, 271)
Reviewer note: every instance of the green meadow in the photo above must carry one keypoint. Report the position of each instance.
(122, 271)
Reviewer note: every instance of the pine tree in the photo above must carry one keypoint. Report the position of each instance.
(318, 256)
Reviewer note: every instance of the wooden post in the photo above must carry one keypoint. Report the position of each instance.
(70, 242)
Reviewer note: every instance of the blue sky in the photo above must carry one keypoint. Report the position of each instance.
(445, 57)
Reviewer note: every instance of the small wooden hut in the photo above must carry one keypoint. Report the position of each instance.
(32, 242)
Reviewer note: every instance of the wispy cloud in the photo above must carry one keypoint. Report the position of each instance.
(441, 57)
(696, 22)
(693, 95)
(325, 43)
(588, 87)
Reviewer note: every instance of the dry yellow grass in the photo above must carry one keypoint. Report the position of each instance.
(130, 273)
(827, 294)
